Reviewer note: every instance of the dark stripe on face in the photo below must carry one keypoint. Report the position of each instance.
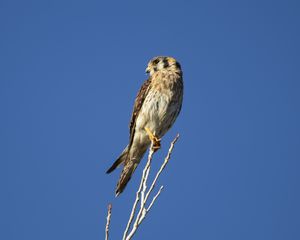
(178, 65)
(156, 61)
(166, 63)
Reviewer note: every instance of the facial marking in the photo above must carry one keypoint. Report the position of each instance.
(156, 61)
(166, 63)
(178, 65)
(163, 63)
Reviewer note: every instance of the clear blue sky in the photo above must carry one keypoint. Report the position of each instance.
(69, 73)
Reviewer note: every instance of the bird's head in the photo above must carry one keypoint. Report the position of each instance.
(163, 63)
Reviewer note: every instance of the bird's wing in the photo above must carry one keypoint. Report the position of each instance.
(139, 100)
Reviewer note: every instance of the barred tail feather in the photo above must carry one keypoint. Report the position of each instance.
(126, 174)
(121, 159)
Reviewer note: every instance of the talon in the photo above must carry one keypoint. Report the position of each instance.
(156, 145)
(153, 139)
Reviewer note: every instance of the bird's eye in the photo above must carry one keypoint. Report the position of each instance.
(156, 61)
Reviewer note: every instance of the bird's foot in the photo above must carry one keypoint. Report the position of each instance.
(155, 140)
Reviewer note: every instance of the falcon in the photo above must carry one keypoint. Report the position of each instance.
(155, 110)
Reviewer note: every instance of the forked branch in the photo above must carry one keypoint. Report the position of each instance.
(138, 214)
(143, 194)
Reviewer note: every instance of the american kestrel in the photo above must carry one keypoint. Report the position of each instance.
(156, 108)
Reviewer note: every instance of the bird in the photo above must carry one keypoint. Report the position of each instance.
(156, 107)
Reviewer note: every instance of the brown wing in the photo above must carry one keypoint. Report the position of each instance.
(139, 100)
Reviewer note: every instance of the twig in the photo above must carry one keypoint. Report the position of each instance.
(108, 221)
(154, 198)
(162, 166)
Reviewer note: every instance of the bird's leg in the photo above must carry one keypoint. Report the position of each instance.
(153, 139)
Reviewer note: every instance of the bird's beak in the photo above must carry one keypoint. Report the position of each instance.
(147, 70)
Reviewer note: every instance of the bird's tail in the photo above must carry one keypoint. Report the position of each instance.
(121, 159)
(130, 164)
(126, 174)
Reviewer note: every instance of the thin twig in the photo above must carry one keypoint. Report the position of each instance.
(154, 198)
(162, 166)
(108, 221)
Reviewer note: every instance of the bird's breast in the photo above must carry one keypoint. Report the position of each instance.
(157, 111)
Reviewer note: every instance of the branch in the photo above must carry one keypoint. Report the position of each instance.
(142, 194)
(138, 193)
(162, 166)
(154, 198)
(108, 221)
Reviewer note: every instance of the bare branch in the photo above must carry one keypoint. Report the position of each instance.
(145, 175)
(162, 166)
(142, 194)
(154, 198)
(108, 221)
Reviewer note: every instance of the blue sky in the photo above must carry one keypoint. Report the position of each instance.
(69, 74)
